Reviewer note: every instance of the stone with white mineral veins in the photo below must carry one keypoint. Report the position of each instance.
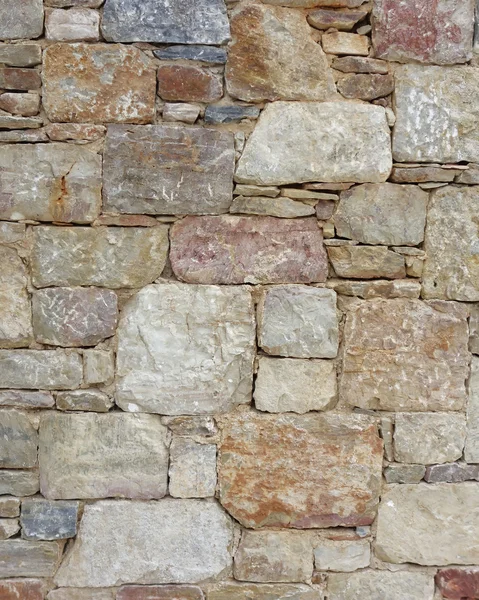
(21, 19)
(18, 440)
(435, 122)
(381, 585)
(192, 472)
(170, 541)
(15, 310)
(297, 142)
(341, 555)
(186, 349)
(179, 22)
(471, 453)
(429, 524)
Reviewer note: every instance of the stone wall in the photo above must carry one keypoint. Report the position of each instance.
(239, 300)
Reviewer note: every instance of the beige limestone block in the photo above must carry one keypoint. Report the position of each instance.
(234, 591)
(399, 288)
(15, 309)
(341, 555)
(76, 24)
(8, 528)
(381, 585)
(339, 43)
(285, 208)
(366, 262)
(192, 472)
(98, 366)
(471, 453)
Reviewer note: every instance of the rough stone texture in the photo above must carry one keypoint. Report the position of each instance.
(204, 54)
(405, 355)
(401, 288)
(452, 473)
(423, 174)
(186, 113)
(186, 349)
(470, 176)
(20, 55)
(116, 257)
(18, 440)
(9, 507)
(366, 262)
(232, 250)
(431, 31)
(338, 42)
(24, 589)
(15, 310)
(188, 83)
(98, 366)
(191, 426)
(298, 321)
(19, 79)
(339, 555)
(95, 83)
(328, 141)
(272, 56)
(171, 541)
(74, 316)
(82, 594)
(381, 585)
(285, 208)
(19, 483)
(434, 120)
(101, 456)
(231, 591)
(25, 558)
(21, 19)
(458, 583)
(192, 472)
(365, 86)
(299, 471)
(8, 528)
(274, 556)
(190, 171)
(451, 269)
(471, 452)
(90, 400)
(27, 105)
(230, 114)
(46, 520)
(404, 473)
(359, 64)
(429, 524)
(292, 385)
(76, 24)
(343, 20)
(160, 592)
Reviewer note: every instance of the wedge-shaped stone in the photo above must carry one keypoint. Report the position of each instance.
(21, 20)
(40, 369)
(381, 585)
(98, 83)
(366, 262)
(115, 257)
(299, 471)
(405, 355)
(233, 591)
(434, 121)
(230, 249)
(168, 169)
(429, 524)
(328, 141)
(171, 541)
(274, 57)
(25, 558)
(451, 269)
(101, 456)
(186, 349)
(471, 453)
(15, 309)
(18, 440)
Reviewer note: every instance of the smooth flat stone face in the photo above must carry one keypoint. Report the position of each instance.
(186, 349)
(168, 169)
(21, 19)
(159, 592)
(46, 520)
(15, 309)
(19, 483)
(380, 585)
(179, 22)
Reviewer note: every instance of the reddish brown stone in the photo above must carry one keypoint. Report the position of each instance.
(188, 84)
(297, 471)
(159, 592)
(230, 249)
(61, 132)
(19, 79)
(21, 589)
(458, 584)
(344, 20)
(366, 86)
(360, 64)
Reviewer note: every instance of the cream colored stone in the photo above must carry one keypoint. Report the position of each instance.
(98, 366)
(8, 528)
(366, 262)
(341, 555)
(15, 308)
(274, 207)
(381, 585)
(340, 43)
(76, 24)
(192, 472)
(399, 288)
(82, 594)
(471, 452)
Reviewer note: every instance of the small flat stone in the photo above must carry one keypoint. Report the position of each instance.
(205, 54)
(13, 78)
(423, 174)
(21, 21)
(76, 24)
(292, 385)
(15, 308)
(360, 64)
(72, 593)
(28, 135)
(18, 440)
(469, 177)
(234, 591)
(47, 520)
(471, 453)
(8, 528)
(452, 473)
(340, 43)
(20, 55)
(98, 366)
(333, 187)
(229, 114)
(22, 589)
(366, 262)
(456, 584)
(256, 190)
(191, 426)
(15, 122)
(285, 208)
(62, 132)
(125, 221)
(186, 113)
(365, 86)
(73, 3)
(316, 3)
(381, 585)
(26, 558)
(298, 321)
(188, 84)
(400, 288)
(160, 592)
(23, 399)
(343, 20)
(85, 400)
(307, 195)
(404, 473)
(26, 105)
(325, 209)
(339, 555)
(9, 507)
(10, 233)
(192, 472)
(19, 483)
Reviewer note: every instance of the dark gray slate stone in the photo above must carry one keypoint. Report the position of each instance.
(181, 21)
(228, 114)
(49, 520)
(452, 473)
(206, 54)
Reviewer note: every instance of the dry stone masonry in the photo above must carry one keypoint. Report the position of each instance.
(239, 300)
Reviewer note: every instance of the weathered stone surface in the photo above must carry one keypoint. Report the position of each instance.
(12, 78)
(451, 270)
(8, 121)
(98, 366)
(359, 64)
(315, 3)
(28, 135)
(273, 57)
(62, 132)
(267, 191)
(274, 556)
(171, 541)
(192, 472)
(20, 55)
(232, 250)
(73, 3)
(404, 473)
(190, 171)
(190, 426)
(186, 349)
(456, 583)
(341, 555)
(344, 20)
(15, 310)
(10, 233)
(184, 22)
(186, 113)
(46, 520)
(230, 114)
(189, 84)
(292, 385)
(19, 483)
(98, 83)
(296, 142)
(470, 176)
(383, 213)
(90, 400)
(74, 316)
(21, 20)
(338, 42)
(298, 471)
(298, 321)
(434, 121)
(274, 207)
(26, 105)
(205, 54)
(366, 86)
(46, 369)
(429, 524)
(381, 585)
(116, 257)
(22, 589)
(366, 262)
(25, 558)
(400, 288)
(8, 528)
(71, 593)
(233, 591)
(431, 31)
(9, 507)
(160, 592)
(50, 182)
(101, 456)
(471, 452)
(423, 174)
(405, 355)
(452, 473)
(76, 24)
(18, 440)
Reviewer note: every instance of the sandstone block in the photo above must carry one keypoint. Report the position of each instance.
(285, 208)
(25, 558)
(293, 143)
(192, 472)
(366, 86)
(298, 321)
(98, 366)
(76, 24)
(452, 473)
(186, 349)
(171, 541)
(419, 344)
(233, 249)
(366, 262)
(47, 520)
(19, 483)
(115, 257)
(401, 288)
(404, 473)
(341, 555)
(456, 583)
(343, 20)
(232, 591)
(13, 78)
(9, 507)
(25, 589)
(188, 84)
(191, 426)
(160, 592)
(100, 456)
(204, 54)
(62, 132)
(15, 122)
(471, 452)
(18, 440)
(26, 105)
(20, 55)
(190, 170)
(98, 83)
(340, 43)
(8, 528)
(15, 309)
(21, 20)
(316, 470)
(381, 585)
(89, 400)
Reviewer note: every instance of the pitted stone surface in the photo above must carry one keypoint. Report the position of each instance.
(15, 310)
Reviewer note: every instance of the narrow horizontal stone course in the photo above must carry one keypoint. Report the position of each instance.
(206, 54)
(26, 558)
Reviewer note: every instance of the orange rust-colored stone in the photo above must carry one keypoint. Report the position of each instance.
(458, 584)
(21, 589)
(188, 84)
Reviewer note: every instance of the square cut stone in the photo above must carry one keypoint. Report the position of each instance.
(342, 555)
